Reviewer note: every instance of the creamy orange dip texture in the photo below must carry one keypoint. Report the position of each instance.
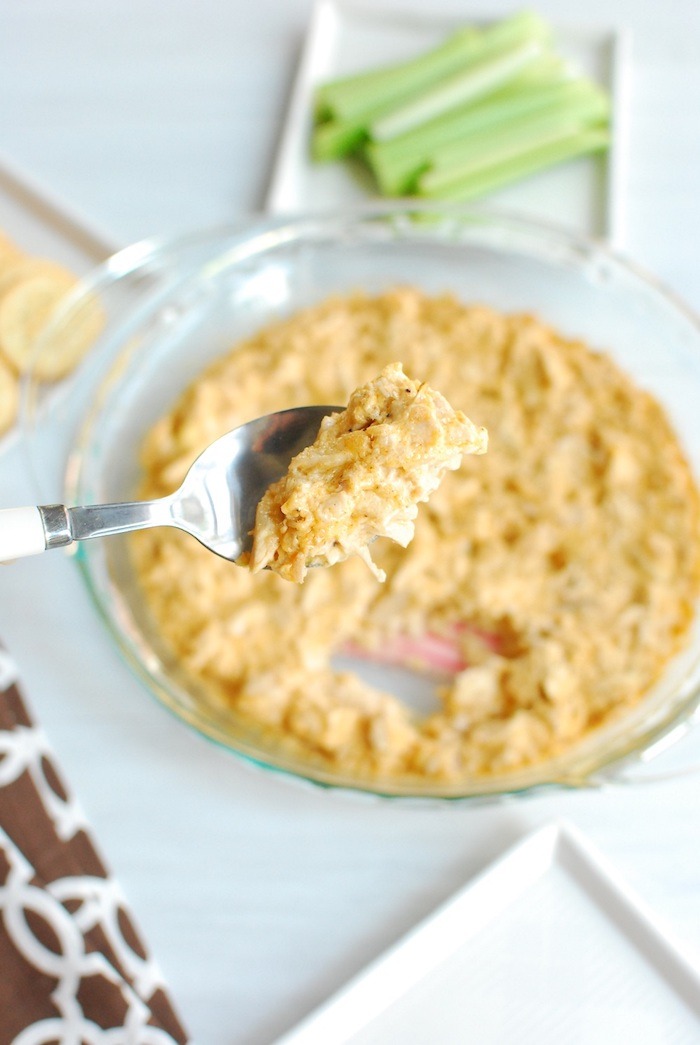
(363, 477)
(547, 585)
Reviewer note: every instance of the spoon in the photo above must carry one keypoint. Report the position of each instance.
(216, 503)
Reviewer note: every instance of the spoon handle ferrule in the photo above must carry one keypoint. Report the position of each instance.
(31, 530)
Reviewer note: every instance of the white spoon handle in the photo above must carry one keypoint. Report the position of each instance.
(21, 533)
(27, 531)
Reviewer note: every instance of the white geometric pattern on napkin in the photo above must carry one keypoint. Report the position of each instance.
(99, 902)
(23, 749)
(68, 965)
(73, 907)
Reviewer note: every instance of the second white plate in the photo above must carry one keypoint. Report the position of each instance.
(548, 945)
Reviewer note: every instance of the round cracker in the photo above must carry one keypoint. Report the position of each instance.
(9, 396)
(21, 268)
(10, 254)
(25, 312)
(63, 347)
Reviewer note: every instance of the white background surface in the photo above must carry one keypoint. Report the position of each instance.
(260, 897)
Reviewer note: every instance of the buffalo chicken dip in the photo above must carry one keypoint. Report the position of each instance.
(362, 478)
(546, 588)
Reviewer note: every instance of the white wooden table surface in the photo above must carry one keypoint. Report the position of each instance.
(260, 897)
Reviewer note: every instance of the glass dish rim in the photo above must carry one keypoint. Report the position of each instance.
(249, 232)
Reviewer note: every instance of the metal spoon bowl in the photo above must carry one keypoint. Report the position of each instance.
(216, 502)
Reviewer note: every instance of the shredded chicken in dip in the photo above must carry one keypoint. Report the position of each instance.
(362, 478)
(546, 588)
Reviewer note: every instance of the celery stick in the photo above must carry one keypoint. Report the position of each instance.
(331, 141)
(528, 162)
(352, 96)
(347, 107)
(475, 82)
(514, 98)
(500, 143)
(395, 163)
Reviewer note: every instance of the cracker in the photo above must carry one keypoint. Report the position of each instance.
(9, 396)
(10, 253)
(20, 267)
(25, 310)
(64, 347)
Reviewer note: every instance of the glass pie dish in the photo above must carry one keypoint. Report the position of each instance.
(169, 308)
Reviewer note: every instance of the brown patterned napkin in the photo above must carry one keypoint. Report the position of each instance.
(72, 965)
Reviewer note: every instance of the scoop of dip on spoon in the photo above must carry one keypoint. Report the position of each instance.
(301, 487)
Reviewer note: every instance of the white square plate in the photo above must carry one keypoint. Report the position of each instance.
(546, 946)
(584, 195)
